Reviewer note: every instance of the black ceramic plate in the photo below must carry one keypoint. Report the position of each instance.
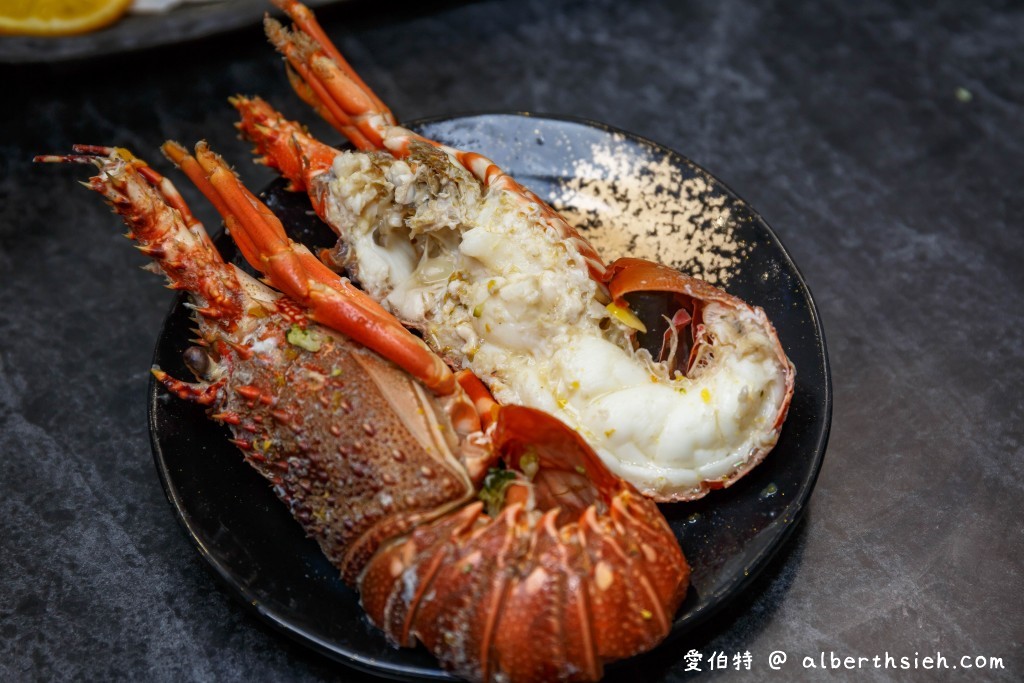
(248, 537)
(142, 31)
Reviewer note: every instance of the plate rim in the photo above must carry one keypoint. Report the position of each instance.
(723, 596)
(181, 24)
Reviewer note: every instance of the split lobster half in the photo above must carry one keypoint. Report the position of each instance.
(499, 284)
(492, 534)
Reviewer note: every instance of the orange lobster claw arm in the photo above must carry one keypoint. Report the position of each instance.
(304, 19)
(331, 300)
(486, 407)
(324, 79)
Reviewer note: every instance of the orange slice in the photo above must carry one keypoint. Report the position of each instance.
(58, 17)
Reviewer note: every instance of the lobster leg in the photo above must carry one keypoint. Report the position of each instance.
(284, 145)
(331, 300)
(163, 228)
(330, 83)
(485, 404)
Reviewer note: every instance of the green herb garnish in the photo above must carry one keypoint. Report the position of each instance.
(493, 491)
(304, 339)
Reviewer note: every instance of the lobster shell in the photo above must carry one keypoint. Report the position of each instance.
(588, 577)
(570, 570)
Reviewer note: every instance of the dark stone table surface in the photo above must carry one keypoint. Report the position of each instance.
(882, 140)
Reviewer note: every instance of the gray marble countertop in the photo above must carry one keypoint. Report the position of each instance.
(883, 142)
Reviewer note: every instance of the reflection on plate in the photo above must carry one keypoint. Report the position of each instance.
(140, 31)
(251, 542)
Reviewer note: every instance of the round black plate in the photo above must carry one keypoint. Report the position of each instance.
(141, 31)
(251, 542)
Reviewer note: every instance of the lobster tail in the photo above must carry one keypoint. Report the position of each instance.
(552, 585)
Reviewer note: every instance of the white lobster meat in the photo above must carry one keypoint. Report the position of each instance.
(499, 284)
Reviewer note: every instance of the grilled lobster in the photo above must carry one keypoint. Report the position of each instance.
(491, 534)
(498, 283)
